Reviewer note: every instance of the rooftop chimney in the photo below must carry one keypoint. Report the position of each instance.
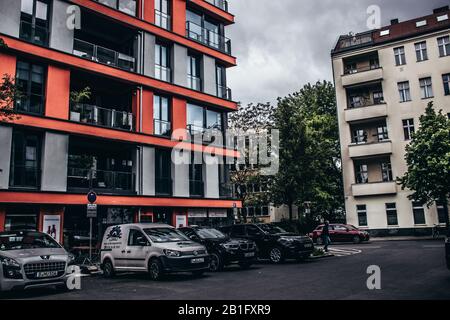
(394, 21)
(441, 9)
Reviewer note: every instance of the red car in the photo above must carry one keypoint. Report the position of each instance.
(341, 233)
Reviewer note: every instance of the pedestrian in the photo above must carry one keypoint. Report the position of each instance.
(326, 235)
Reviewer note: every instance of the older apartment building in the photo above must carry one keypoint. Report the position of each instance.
(384, 80)
(152, 67)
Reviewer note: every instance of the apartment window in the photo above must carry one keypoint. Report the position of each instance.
(196, 175)
(444, 46)
(382, 133)
(126, 6)
(378, 97)
(161, 116)
(162, 62)
(362, 174)
(162, 14)
(356, 101)
(391, 213)
(359, 136)
(418, 213)
(200, 119)
(361, 211)
(34, 22)
(441, 213)
(31, 80)
(421, 51)
(25, 160)
(386, 172)
(351, 68)
(163, 174)
(426, 88)
(446, 80)
(408, 128)
(404, 91)
(399, 54)
(221, 80)
(193, 73)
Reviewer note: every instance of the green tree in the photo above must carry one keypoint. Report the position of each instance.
(428, 161)
(9, 93)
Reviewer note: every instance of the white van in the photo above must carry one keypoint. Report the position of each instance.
(153, 248)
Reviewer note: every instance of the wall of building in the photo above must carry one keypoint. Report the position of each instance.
(55, 149)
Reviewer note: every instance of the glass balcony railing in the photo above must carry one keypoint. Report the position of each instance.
(79, 178)
(163, 20)
(103, 55)
(195, 83)
(162, 128)
(163, 186)
(163, 73)
(196, 188)
(224, 92)
(221, 4)
(126, 6)
(23, 176)
(226, 190)
(86, 113)
(35, 34)
(208, 37)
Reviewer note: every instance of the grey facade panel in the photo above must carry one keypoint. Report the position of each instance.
(209, 75)
(61, 37)
(149, 55)
(148, 171)
(10, 17)
(54, 162)
(211, 177)
(5, 156)
(179, 65)
(180, 173)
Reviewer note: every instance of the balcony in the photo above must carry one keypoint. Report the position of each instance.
(224, 92)
(208, 37)
(163, 186)
(366, 112)
(34, 33)
(374, 189)
(362, 75)
(163, 73)
(221, 4)
(163, 20)
(196, 188)
(27, 177)
(162, 128)
(126, 6)
(194, 83)
(90, 114)
(79, 179)
(370, 149)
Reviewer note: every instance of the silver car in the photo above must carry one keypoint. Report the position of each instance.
(153, 248)
(30, 259)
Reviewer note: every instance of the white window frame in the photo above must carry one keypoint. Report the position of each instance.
(404, 91)
(421, 51)
(426, 88)
(400, 56)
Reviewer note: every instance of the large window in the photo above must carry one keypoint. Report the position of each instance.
(196, 186)
(359, 136)
(25, 160)
(444, 46)
(418, 213)
(362, 173)
(403, 90)
(408, 128)
(31, 80)
(391, 213)
(163, 173)
(162, 62)
(200, 119)
(126, 6)
(399, 54)
(382, 133)
(426, 88)
(446, 80)
(193, 73)
(162, 14)
(221, 80)
(386, 171)
(34, 24)
(361, 211)
(161, 116)
(421, 51)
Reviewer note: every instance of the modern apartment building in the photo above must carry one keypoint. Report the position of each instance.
(153, 68)
(384, 80)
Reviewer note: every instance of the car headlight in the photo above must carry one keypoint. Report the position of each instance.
(172, 253)
(447, 240)
(286, 240)
(230, 246)
(9, 262)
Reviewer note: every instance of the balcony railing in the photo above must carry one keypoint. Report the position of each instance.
(163, 186)
(163, 73)
(126, 6)
(195, 83)
(226, 190)
(23, 176)
(162, 128)
(196, 188)
(361, 69)
(221, 4)
(86, 113)
(224, 92)
(163, 20)
(99, 179)
(208, 37)
(35, 34)
(103, 55)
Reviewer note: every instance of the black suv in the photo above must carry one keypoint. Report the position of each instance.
(223, 250)
(447, 249)
(273, 242)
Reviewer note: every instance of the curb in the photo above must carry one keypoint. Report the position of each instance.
(321, 257)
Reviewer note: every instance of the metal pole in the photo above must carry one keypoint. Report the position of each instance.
(90, 239)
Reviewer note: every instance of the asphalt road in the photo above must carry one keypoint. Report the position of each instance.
(409, 270)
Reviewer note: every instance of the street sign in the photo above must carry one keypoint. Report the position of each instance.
(92, 197)
(92, 210)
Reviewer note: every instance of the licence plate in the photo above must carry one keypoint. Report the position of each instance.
(308, 245)
(198, 260)
(249, 254)
(46, 274)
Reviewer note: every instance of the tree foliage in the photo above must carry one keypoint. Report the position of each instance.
(9, 93)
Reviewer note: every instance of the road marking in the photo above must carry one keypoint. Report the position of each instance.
(344, 252)
(433, 246)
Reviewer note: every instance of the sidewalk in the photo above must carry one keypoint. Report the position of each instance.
(411, 238)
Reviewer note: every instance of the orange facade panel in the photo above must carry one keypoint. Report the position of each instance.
(57, 93)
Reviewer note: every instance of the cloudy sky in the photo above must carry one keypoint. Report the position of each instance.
(283, 44)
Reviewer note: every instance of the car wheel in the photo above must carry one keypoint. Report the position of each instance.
(319, 241)
(108, 269)
(275, 255)
(216, 263)
(155, 270)
(356, 239)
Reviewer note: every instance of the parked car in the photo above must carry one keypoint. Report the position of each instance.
(447, 249)
(157, 249)
(273, 242)
(341, 233)
(224, 250)
(30, 259)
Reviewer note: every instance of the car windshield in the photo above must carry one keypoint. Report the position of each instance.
(161, 235)
(26, 240)
(210, 234)
(350, 227)
(272, 229)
